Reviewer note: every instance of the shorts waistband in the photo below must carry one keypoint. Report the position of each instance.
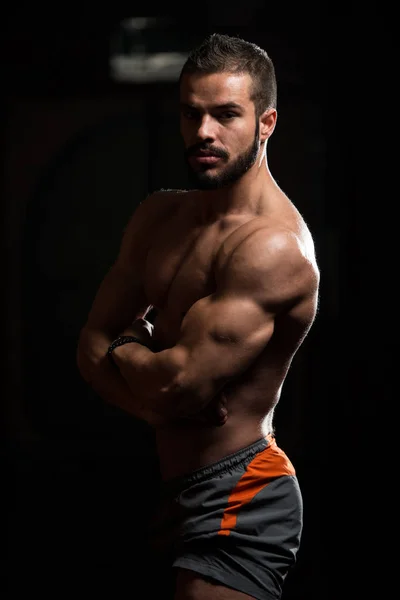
(218, 468)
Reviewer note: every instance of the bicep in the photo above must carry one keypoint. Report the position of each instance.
(115, 304)
(224, 333)
(119, 299)
(120, 296)
(222, 336)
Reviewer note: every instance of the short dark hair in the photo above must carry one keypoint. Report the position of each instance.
(225, 53)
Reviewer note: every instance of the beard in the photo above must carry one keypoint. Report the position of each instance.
(206, 180)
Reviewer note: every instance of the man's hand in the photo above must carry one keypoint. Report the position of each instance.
(141, 329)
(215, 413)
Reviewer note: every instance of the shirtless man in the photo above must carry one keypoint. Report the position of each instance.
(230, 269)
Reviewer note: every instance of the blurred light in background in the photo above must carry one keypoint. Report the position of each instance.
(147, 49)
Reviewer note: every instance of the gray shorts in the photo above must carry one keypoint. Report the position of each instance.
(237, 521)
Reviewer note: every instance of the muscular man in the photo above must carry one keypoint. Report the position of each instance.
(229, 269)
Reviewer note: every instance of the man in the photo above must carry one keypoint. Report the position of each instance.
(229, 271)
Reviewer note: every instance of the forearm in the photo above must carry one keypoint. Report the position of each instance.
(104, 379)
(112, 388)
(155, 377)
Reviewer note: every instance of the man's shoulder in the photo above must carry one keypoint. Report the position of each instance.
(172, 191)
(264, 243)
(165, 194)
(164, 198)
(158, 203)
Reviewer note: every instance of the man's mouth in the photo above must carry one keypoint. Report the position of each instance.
(205, 158)
(204, 153)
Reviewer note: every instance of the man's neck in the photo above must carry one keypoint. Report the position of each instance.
(245, 196)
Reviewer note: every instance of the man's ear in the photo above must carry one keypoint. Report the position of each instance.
(267, 123)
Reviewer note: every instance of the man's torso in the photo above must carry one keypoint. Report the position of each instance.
(183, 261)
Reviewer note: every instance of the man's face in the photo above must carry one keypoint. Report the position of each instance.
(219, 128)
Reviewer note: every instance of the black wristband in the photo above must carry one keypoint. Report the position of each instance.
(120, 341)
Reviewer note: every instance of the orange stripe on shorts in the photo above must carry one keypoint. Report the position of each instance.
(265, 466)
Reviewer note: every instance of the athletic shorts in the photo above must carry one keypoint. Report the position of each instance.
(237, 522)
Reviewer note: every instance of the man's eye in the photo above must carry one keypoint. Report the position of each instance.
(190, 114)
(227, 115)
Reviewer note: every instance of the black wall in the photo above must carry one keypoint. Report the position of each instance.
(79, 152)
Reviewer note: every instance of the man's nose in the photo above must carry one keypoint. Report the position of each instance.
(206, 128)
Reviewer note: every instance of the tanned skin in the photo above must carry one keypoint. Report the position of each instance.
(231, 271)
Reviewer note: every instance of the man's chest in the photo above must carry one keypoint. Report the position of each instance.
(183, 265)
(180, 267)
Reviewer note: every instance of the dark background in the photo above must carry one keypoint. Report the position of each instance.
(79, 152)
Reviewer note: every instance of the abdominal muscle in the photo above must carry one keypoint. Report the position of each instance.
(187, 445)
